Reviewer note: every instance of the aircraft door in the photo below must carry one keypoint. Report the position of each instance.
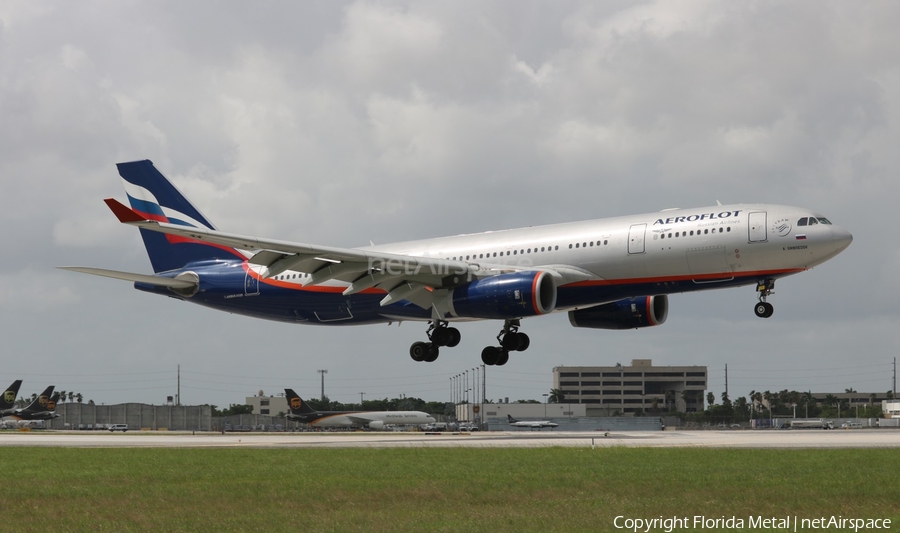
(636, 238)
(757, 226)
(251, 283)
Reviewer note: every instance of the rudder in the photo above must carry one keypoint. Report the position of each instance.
(156, 198)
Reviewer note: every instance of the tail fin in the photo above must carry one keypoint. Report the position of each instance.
(51, 404)
(8, 401)
(511, 419)
(152, 195)
(40, 403)
(296, 403)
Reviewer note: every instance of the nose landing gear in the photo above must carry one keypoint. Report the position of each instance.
(510, 339)
(440, 335)
(764, 309)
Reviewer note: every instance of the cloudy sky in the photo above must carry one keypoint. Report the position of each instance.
(340, 123)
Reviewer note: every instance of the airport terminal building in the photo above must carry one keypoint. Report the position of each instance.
(628, 390)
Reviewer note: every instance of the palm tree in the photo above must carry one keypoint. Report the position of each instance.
(849, 390)
(71, 396)
(556, 396)
(710, 399)
(79, 398)
(62, 396)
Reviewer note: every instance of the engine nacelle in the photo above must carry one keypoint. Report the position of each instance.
(506, 296)
(376, 424)
(629, 313)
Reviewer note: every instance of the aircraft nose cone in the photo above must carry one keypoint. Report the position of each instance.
(841, 238)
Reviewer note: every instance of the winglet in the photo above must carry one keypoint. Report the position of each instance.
(125, 214)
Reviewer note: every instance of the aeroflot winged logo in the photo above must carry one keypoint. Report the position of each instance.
(695, 218)
(296, 403)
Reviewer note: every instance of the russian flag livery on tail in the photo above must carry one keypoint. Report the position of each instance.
(611, 273)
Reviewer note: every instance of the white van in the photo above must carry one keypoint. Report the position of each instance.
(118, 427)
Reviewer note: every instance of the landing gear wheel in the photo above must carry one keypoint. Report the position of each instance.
(440, 336)
(504, 357)
(524, 341)
(418, 351)
(432, 353)
(454, 337)
(764, 309)
(490, 355)
(511, 341)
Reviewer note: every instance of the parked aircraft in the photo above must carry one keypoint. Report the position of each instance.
(42, 408)
(8, 400)
(533, 424)
(612, 273)
(301, 412)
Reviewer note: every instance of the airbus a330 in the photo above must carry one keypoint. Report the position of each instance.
(611, 273)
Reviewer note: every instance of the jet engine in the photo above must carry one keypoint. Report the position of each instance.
(629, 313)
(506, 296)
(376, 424)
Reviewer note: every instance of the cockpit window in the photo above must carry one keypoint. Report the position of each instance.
(813, 221)
(801, 222)
(823, 220)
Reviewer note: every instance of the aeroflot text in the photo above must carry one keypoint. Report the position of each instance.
(694, 218)
(787, 523)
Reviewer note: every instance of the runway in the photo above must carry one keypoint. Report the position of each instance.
(875, 438)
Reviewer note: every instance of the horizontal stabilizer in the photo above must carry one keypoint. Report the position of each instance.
(129, 276)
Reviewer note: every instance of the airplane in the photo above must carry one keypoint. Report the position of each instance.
(611, 273)
(533, 424)
(42, 408)
(8, 401)
(301, 412)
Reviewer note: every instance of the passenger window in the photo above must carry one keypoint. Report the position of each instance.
(607, 242)
(576, 245)
(801, 222)
(728, 229)
(514, 252)
(481, 256)
(557, 247)
(570, 247)
(529, 250)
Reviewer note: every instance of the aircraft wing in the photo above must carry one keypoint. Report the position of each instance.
(361, 419)
(403, 277)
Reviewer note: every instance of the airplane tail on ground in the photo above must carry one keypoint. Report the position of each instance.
(296, 403)
(51, 403)
(8, 401)
(154, 197)
(511, 419)
(40, 403)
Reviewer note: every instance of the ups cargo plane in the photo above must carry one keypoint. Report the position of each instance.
(609, 273)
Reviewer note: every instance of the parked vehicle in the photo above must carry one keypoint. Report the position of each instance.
(118, 427)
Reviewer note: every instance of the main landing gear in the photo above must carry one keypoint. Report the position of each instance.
(511, 340)
(440, 335)
(764, 309)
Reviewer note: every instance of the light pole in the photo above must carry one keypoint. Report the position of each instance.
(323, 372)
(546, 399)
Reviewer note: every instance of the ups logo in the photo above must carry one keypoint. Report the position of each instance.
(9, 396)
(51, 405)
(296, 403)
(42, 401)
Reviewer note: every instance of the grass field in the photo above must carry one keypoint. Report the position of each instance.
(467, 490)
